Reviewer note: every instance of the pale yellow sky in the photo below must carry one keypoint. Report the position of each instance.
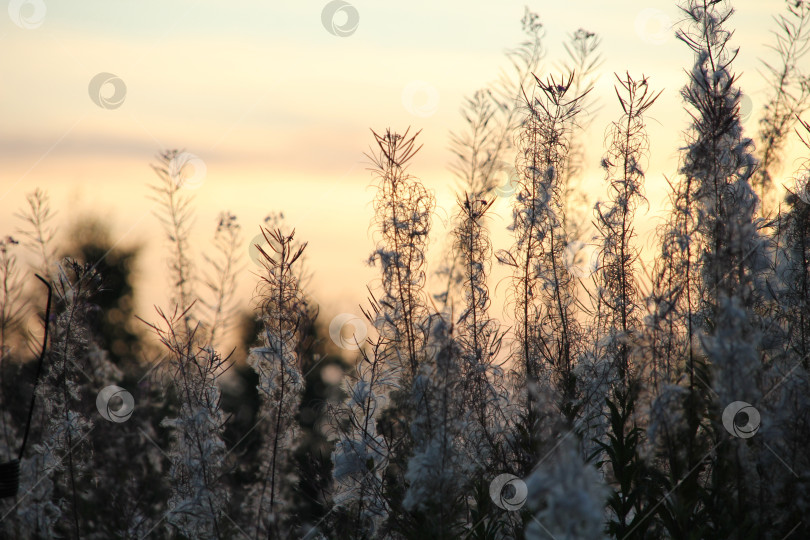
(279, 109)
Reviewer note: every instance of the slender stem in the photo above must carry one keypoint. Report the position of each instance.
(40, 361)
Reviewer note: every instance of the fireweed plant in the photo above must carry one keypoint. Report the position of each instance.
(789, 92)
(483, 150)
(547, 334)
(284, 316)
(661, 398)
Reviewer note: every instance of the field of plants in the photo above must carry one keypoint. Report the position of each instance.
(639, 399)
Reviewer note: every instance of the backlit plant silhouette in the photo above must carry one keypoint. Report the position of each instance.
(660, 393)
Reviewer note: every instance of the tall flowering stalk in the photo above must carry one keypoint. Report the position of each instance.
(278, 364)
(543, 288)
(220, 280)
(402, 210)
(176, 215)
(493, 114)
(485, 147)
(789, 91)
(65, 447)
(479, 337)
(38, 232)
(414, 421)
(618, 303)
(719, 161)
(727, 274)
(788, 426)
(197, 451)
(617, 314)
(11, 311)
(437, 474)
(583, 62)
(793, 263)
(361, 453)
(670, 328)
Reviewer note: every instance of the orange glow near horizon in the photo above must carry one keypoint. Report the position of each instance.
(279, 110)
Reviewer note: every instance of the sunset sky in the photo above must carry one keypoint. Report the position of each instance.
(279, 109)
